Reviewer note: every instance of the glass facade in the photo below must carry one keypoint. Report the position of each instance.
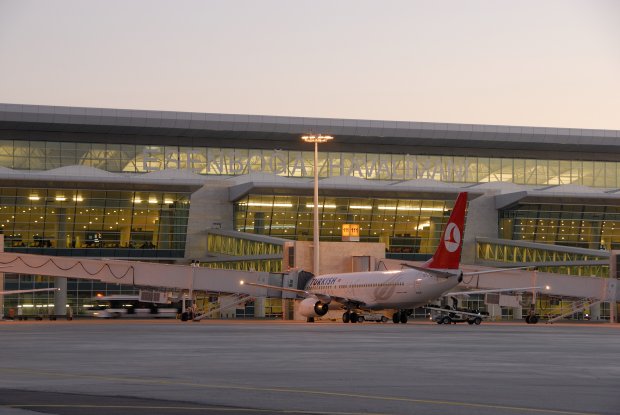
(80, 294)
(583, 226)
(504, 251)
(80, 222)
(132, 158)
(239, 247)
(405, 226)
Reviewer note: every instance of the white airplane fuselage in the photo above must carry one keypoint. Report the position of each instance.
(379, 290)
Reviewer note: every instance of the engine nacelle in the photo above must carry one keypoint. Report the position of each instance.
(311, 307)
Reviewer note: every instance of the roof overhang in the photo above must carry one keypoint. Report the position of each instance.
(509, 200)
(374, 190)
(76, 177)
(271, 132)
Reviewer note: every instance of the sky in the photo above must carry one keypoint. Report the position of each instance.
(553, 63)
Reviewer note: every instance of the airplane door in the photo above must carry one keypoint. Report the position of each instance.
(418, 286)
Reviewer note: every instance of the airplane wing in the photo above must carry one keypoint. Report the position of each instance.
(497, 290)
(325, 298)
(27, 291)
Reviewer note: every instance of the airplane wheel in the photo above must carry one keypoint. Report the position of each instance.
(360, 319)
(533, 320)
(470, 322)
(527, 319)
(447, 320)
(396, 318)
(477, 321)
(345, 317)
(384, 319)
(403, 318)
(353, 318)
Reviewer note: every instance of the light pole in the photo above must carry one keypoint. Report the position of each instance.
(316, 139)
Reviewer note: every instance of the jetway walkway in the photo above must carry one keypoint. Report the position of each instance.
(135, 273)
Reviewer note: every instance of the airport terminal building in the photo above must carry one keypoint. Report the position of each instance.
(230, 190)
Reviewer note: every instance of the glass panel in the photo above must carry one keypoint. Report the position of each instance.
(46, 155)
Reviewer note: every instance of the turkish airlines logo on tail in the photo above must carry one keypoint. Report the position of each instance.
(452, 237)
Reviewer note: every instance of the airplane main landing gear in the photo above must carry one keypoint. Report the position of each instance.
(400, 317)
(351, 317)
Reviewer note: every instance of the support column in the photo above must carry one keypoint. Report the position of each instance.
(517, 313)
(60, 296)
(259, 307)
(613, 300)
(595, 312)
(1, 281)
(495, 312)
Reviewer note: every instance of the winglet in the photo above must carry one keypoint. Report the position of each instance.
(448, 253)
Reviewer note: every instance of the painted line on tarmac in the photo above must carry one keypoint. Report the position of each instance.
(185, 408)
(297, 391)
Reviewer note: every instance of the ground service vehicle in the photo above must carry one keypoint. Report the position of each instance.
(130, 306)
(452, 316)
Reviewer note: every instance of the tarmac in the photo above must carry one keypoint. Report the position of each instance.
(157, 367)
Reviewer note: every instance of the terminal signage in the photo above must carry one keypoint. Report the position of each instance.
(350, 232)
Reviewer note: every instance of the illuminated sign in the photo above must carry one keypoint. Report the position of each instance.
(350, 232)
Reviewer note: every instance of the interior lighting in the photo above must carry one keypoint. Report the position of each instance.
(33, 197)
(78, 199)
(60, 198)
(168, 201)
(422, 226)
(137, 200)
(311, 205)
(363, 207)
(152, 201)
(262, 204)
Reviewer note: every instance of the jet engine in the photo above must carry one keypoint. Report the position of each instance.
(311, 307)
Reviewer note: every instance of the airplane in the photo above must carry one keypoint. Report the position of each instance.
(400, 290)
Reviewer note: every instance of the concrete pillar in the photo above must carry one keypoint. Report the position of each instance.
(517, 313)
(481, 221)
(595, 312)
(612, 291)
(61, 235)
(60, 297)
(259, 307)
(1, 281)
(495, 311)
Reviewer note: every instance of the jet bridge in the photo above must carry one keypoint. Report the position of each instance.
(140, 274)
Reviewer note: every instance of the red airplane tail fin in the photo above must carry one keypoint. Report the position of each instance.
(448, 253)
